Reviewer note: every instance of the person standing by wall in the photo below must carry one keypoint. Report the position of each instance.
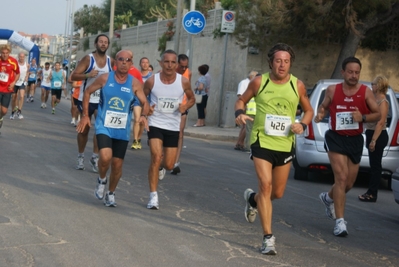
(377, 138)
(200, 89)
(242, 86)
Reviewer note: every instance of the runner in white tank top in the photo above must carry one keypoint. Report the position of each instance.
(87, 70)
(19, 88)
(167, 89)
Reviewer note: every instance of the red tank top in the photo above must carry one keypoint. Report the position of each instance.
(342, 107)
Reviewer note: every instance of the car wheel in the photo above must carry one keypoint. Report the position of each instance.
(300, 173)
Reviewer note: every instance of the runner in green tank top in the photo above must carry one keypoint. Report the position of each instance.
(277, 94)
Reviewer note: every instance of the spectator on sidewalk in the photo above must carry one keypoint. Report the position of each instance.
(242, 86)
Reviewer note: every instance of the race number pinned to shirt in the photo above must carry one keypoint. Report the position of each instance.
(168, 104)
(116, 120)
(276, 125)
(32, 75)
(3, 77)
(57, 84)
(344, 121)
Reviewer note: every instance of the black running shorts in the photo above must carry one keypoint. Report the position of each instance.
(276, 158)
(118, 146)
(169, 138)
(351, 146)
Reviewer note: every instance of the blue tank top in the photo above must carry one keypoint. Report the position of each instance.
(32, 73)
(114, 109)
(56, 79)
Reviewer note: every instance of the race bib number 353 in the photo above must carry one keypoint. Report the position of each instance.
(115, 120)
(277, 125)
(344, 121)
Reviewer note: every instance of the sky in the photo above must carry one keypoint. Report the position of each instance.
(40, 16)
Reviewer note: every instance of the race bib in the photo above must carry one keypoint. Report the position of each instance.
(57, 84)
(168, 104)
(3, 77)
(32, 76)
(344, 121)
(96, 93)
(115, 120)
(276, 125)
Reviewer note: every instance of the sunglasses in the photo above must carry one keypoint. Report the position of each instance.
(121, 59)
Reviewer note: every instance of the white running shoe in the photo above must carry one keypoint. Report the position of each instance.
(100, 187)
(268, 246)
(42, 105)
(249, 212)
(340, 228)
(153, 204)
(12, 116)
(73, 121)
(109, 200)
(162, 173)
(45, 105)
(81, 163)
(20, 116)
(330, 211)
(94, 163)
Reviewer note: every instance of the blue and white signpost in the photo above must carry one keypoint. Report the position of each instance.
(194, 22)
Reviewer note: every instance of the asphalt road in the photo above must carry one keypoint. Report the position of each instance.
(50, 217)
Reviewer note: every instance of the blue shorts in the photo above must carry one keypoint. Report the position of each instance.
(92, 107)
(46, 88)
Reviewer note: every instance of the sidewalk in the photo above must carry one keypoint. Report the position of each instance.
(211, 132)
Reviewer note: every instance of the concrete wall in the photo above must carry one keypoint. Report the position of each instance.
(314, 61)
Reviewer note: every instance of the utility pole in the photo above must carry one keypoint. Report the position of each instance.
(111, 27)
(178, 26)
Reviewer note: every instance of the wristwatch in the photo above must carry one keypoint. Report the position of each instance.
(363, 118)
(304, 126)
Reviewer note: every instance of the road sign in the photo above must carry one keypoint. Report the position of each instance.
(228, 21)
(194, 22)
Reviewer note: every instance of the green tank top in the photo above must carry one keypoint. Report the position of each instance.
(276, 106)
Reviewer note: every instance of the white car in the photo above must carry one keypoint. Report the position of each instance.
(310, 154)
(395, 185)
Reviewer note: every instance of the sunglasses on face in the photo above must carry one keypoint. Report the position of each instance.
(121, 59)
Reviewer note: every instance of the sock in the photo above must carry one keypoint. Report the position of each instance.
(252, 201)
(268, 236)
(329, 199)
(102, 180)
(94, 155)
(110, 193)
(82, 155)
(337, 221)
(153, 194)
(160, 168)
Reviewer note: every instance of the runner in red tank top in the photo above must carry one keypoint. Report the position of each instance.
(350, 105)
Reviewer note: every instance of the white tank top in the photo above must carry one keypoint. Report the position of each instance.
(23, 70)
(166, 98)
(45, 74)
(94, 97)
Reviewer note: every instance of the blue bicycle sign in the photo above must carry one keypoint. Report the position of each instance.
(194, 22)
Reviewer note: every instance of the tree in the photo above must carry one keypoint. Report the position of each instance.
(346, 22)
(91, 19)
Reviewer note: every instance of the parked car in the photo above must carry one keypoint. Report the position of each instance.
(395, 185)
(310, 154)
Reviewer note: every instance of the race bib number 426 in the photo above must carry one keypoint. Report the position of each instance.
(116, 120)
(277, 125)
